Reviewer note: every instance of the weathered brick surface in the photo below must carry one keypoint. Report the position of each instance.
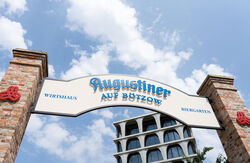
(226, 102)
(25, 71)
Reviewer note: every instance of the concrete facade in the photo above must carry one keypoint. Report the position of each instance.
(123, 139)
(25, 71)
(226, 102)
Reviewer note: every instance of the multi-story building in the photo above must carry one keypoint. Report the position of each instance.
(153, 137)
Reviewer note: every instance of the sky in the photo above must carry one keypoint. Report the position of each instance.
(175, 42)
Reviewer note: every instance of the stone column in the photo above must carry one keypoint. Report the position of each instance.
(25, 71)
(123, 128)
(140, 125)
(143, 154)
(157, 118)
(226, 101)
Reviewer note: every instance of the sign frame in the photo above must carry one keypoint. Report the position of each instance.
(33, 111)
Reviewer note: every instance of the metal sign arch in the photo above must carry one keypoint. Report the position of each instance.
(78, 96)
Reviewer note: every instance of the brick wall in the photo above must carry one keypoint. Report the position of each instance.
(226, 101)
(26, 69)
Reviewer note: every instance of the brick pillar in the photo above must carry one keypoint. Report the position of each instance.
(226, 102)
(25, 71)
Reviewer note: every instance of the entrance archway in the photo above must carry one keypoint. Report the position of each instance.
(29, 68)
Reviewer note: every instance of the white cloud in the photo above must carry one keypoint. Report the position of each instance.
(156, 20)
(69, 44)
(99, 127)
(105, 113)
(165, 69)
(147, 111)
(192, 83)
(215, 69)
(241, 95)
(170, 38)
(46, 135)
(12, 34)
(209, 138)
(126, 114)
(2, 72)
(167, 72)
(51, 71)
(115, 23)
(88, 146)
(88, 64)
(13, 6)
(29, 43)
(55, 0)
(112, 21)
(56, 139)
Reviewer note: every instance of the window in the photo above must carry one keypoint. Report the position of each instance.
(171, 136)
(149, 124)
(166, 121)
(119, 147)
(133, 143)
(190, 149)
(186, 133)
(152, 140)
(134, 158)
(118, 134)
(119, 160)
(154, 155)
(175, 151)
(132, 129)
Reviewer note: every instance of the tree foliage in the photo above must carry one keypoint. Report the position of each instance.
(201, 156)
(221, 159)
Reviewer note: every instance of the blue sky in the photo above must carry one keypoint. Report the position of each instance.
(175, 42)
